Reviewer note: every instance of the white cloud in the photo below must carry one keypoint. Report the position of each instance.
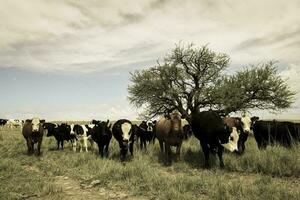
(88, 36)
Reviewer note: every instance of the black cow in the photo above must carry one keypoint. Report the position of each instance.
(272, 132)
(145, 133)
(187, 131)
(33, 132)
(3, 122)
(102, 135)
(123, 133)
(50, 128)
(213, 134)
(61, 133)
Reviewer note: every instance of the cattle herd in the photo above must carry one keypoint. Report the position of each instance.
(213, 131)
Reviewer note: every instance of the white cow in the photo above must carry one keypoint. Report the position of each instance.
(14, 123)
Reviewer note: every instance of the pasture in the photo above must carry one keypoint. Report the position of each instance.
(270, 174)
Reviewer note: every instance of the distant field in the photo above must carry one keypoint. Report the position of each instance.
(270, 174)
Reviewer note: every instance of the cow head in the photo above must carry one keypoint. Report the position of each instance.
(127, 131)
(36, 123)
(176, 123)
(232, 142)
(95, 121)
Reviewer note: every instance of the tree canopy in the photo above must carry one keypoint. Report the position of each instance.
(192, 79)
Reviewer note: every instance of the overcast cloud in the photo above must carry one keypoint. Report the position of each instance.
(68, 36)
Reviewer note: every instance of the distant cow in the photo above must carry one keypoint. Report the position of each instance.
(169, 133)
(102, 135)
(275, 132)
(14, 123)
(213, 134)
(33, 133)
(123, 133)
(3, 122)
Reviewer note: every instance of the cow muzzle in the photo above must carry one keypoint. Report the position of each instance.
(125, 143)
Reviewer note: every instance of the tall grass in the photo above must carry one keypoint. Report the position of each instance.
(269, 174)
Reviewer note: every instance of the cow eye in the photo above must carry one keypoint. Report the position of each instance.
(231, 138)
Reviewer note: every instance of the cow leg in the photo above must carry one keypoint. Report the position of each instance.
(85, 144)
(131, 148)
(62, 144)
(106, 150)
(57, 144)
(101, 147)
(92, 144)
(123, 154)
(39, 146)
(206, 154)
(161, 144)
(168, 153)
(74, 145)
(145, 144)
(220, 153)
(178, 151)
(28, 146)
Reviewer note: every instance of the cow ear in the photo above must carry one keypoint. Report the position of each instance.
(254, 119)
(238, 120)
(28, 120)
(42, 121)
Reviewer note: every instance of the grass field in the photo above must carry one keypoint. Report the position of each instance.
(270, 174)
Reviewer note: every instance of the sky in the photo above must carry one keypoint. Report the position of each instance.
(71, 59)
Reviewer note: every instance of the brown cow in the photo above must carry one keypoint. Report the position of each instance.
(169, 133)
(33, 133)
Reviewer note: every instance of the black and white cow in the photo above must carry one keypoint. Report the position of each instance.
(213, 134)
(122, 132)
(243, 126)
(3, 122)
(145, 133)
(101, 133)
(83, 136)
(276, 132)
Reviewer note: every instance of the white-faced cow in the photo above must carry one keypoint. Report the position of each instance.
(33, 133)
(169, 133)
(123, 133)
(213, 134)
(244, 128)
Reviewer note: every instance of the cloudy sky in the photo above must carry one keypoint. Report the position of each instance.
(70, 59)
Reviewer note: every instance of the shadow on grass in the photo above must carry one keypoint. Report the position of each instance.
(195, 159)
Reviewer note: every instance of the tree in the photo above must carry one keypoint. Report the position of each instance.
(192, 79)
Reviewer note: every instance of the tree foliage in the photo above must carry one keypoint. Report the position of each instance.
(192, 79)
